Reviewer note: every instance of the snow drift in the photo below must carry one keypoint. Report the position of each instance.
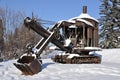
(109, 69)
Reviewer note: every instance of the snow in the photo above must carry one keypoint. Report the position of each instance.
(72, 26)
(28, 55)
(67, 42)
(109, 69)
(52, 47)
(83, 15)
(70, 21)
(118, 37)
(72, 55)
(92, 48)
(80, 18)
(85, 21)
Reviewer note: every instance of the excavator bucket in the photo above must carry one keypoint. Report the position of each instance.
(28, 65)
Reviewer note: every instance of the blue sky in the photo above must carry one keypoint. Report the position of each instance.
(53, 10)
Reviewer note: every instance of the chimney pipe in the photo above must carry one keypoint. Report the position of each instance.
(84, 9)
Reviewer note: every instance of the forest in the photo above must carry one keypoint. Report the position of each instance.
(13, 34)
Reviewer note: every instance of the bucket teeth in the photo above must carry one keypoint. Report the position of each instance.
(24, 68)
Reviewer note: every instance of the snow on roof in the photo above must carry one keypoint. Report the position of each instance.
(85, 15)
(80, 18)
(85, 21)
(72, 20)
(61, 21)
(69, 21)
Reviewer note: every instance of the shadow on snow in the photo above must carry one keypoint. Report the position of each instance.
(46, 64)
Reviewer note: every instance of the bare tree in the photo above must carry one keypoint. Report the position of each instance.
(11, 20)
(1, 38)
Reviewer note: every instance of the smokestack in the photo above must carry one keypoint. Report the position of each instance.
(84, 9)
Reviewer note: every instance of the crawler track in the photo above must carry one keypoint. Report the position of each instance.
(82, 59)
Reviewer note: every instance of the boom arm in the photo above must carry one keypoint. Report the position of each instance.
(48, 36)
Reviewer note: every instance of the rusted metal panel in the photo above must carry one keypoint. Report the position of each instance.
(95, 37)
(89, 32)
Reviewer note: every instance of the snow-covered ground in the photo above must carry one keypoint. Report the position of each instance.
(109, 69)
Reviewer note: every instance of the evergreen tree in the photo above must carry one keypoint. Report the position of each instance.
(110, 23)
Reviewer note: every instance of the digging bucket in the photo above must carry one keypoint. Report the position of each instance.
(28, 65)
